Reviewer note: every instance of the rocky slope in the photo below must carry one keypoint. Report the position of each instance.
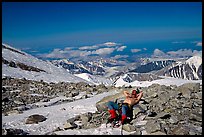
(18, 64)
(163, 110)
(21, 94)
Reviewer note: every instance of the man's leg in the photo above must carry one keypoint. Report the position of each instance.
(124, 113)
(112, 106)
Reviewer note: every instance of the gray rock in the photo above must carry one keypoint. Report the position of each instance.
(102, 104)
(69, 125)
(173, 120)
(158, 133)
(12, 131)
(85, 117)
(152, 126)
(163, 115)
(141, 123)
(4, 132)
(139, 108)
(72, 120)
(180, 130)
(74, 93)
(136, 133)
(128, 127)
(34, 119)
(196, 117)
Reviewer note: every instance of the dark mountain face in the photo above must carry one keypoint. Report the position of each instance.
(152, 66)
(130, 77)
(200, 72)
(184, 70)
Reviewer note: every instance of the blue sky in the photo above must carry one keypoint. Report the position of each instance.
(45, 26)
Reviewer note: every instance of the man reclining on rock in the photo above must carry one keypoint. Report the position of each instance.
(127, 105)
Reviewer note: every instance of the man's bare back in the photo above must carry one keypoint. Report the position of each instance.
(132, 100)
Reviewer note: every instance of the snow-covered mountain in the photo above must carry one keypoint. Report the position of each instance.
(98, 66)
(131, 76)
(69, 66)
(96, 80)
(18, 64)
(164, 81)
(124, 79)
(190, 69)
(82, 67)
(152, 66)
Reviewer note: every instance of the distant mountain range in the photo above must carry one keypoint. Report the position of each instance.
(190, 69)
(153, 66)
(18, 64)
(82, 67)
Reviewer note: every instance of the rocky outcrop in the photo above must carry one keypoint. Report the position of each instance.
(12, 131)
(21, 94)
(22, 66)
(35, 119)
(164, 110)
(102, 104)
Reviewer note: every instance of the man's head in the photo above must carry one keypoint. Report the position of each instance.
(134, 94)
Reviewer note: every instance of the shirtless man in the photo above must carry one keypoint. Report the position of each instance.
(130, 100)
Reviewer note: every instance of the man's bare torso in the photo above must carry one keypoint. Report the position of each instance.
(130, 101)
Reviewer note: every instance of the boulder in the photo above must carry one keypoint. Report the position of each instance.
(34, 119)
(180, 130)
(129, 127)
(152, 126)
(158, 133)
(12, 131)
(102, 104)
(69, 125)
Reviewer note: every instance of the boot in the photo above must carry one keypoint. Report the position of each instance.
(124, 118)
(113, 116)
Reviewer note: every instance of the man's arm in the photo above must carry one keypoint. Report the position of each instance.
(126, 93)
(139, 96)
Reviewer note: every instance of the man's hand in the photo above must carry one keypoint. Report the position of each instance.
(139, 96)
(126, 93)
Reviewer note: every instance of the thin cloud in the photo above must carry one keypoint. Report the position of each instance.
(176, 54)
(110, 44)
(135, 50)
(121, 48)
(103, 45)
(120, 56)
(84, 53)
(199, 44)
(103, 51)
(178, 42)
(68, 48)
(56, 53)
(88, 47)
(183, 53)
